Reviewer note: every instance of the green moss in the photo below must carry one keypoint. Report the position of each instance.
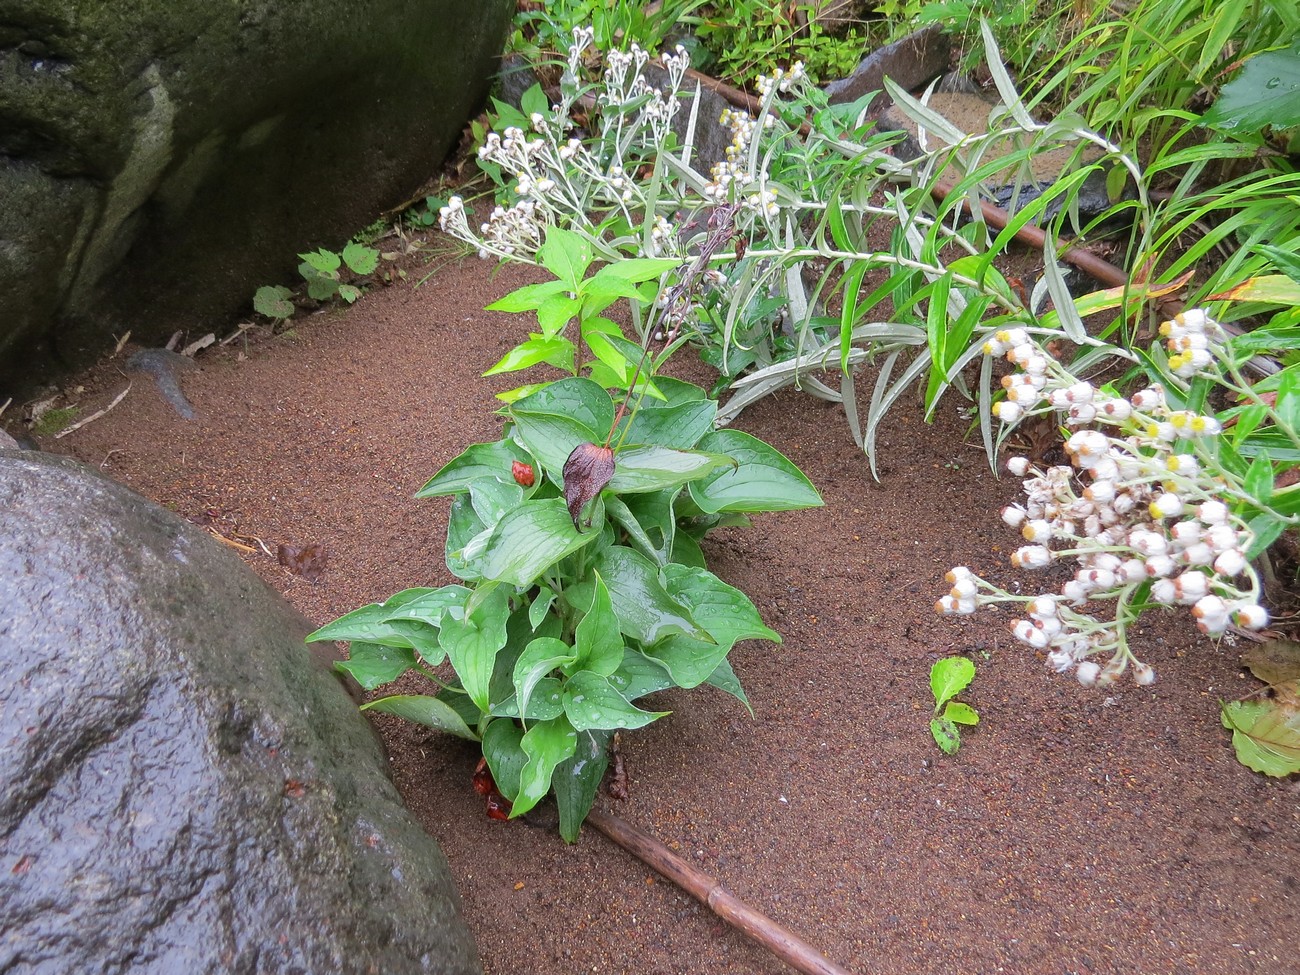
(55, 421)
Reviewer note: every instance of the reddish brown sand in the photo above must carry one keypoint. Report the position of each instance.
(1075, 832)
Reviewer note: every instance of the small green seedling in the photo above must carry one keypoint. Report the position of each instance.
(948, 678)
(321, 269)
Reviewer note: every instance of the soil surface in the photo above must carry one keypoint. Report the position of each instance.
(1075, 832)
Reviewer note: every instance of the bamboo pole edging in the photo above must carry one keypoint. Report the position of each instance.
(782, 942)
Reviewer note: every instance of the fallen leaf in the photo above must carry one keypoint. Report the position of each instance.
(1277, 663)
(586, 472)
(308, 561)
(1265, 735)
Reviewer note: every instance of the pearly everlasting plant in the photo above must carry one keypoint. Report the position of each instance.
(1147, 510)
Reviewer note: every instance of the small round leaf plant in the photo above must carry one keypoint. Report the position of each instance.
(583, 587)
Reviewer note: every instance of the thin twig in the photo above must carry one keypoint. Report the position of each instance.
(786, 945)
(94, 416)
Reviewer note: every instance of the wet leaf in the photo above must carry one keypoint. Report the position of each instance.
(505, 756)
(763, 479)
(576, 780)
(529, 539)
(547, 744)
(1265, 735)
(373, 665)
(591, 702)
(586, 472)
(309, 561)
(432, 712)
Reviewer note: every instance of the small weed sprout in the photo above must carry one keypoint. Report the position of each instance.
(1147, 510)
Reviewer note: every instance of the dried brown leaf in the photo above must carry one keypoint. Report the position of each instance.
(586, 472)
(1277, 663)
(309, 561)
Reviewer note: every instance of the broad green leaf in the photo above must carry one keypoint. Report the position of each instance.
(540, 658)
(576, 780)
(621, 515)
(373, 665)
(1265, 734)
(763, 480)
(430, 607)
(680, 426)
(1265, 93)
(505, 755)
(557, 351)
(638, 676)
(946, 735)
(533, 537)
(369, 624)
(529, 297)
(724, 611)
(478, 460)
(360, 258)
(678, 391)
(639, 470)
(322, 260)
(492, 499)
(639, 268)
(273, 301)
(687, 551)
(555, 313)
(949, 677)
(613, 358)
(432, 712)
(466, 537)
(565, 254)
(645, 610)
(546, 744)
(561, 415)
(597, 642)
(545, 703)
(591, 702)
(960, 713)
(473, 642)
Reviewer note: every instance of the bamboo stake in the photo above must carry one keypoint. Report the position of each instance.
(786, 945)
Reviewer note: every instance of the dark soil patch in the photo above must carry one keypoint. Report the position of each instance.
(1074, 832)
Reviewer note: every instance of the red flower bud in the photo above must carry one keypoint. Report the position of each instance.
(522, 472)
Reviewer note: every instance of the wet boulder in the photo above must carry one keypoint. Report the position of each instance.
(160, 160)
(183, 788)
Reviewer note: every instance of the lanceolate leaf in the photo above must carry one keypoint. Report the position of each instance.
(644, 469)
(576, 780)
(546, 744)
(422, 709)
(472, 644)
(368, 622)
(539, 659)
(763, 479)
(598, 644)
(505, 755)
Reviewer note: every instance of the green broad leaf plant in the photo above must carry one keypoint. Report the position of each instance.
(582, 585)
(948, 678)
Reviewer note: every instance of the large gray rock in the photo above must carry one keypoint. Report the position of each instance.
(182, 788)
(161, 159)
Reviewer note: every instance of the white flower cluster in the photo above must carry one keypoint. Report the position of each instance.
(1137, 510)
(558, 176)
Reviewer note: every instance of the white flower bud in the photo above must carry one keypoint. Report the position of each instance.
(1213, 512)
(1160, 566)
(1018, 466)
(1014, 515)
(1230, 563)
(1037, 531)
(1031, 557)
(1167, 505)
(1144, 675)
(1198, 554)
(1026, 632)
(1164, 591)
(1088, 673)
(1251, 617)
(1191, 586)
